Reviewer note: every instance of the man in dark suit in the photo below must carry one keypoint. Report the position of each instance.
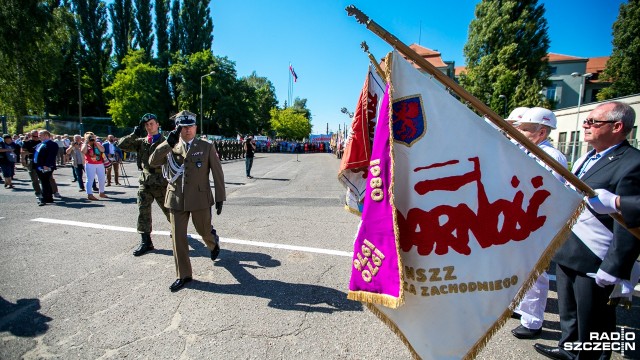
(44, 161)
(187, 163)
(599, 252)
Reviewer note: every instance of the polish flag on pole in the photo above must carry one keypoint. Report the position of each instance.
(474, 220)
(293, 73)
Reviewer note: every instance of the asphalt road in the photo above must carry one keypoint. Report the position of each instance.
(70, 288)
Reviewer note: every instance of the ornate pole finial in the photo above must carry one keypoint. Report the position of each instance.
(364, 46)
(360, 16)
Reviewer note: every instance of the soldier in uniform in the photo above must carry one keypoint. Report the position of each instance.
(152, 183)
(186, 163)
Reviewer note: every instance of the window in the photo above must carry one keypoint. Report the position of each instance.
(562, 142)
(594, 93)
(553, 70)
(551, 93)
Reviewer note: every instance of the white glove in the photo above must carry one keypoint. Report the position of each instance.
(603, 279)
(604, 202)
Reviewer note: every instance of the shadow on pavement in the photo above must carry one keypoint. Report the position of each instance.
(282, 295)
(22, 318)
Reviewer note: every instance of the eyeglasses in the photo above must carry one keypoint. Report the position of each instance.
(593, 121)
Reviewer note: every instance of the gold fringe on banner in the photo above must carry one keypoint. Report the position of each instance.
(396, 229)
(354, 212)
(393, 328)
(540, 267)
(389, 301)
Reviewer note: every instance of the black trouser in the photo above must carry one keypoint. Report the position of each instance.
(45, 180)
(78, 170)
(33, 174)
(583, 310)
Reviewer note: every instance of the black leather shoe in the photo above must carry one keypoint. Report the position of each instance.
(515, 315)
(179, 283)
(522, 332)
(553, 352)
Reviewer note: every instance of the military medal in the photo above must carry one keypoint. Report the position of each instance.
(198, 164)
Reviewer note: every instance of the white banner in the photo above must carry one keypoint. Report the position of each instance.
(475, 214)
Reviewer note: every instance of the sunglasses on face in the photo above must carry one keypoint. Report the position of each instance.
(590, 121)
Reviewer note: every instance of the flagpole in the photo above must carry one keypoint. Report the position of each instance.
(479, 106)
(373, 60)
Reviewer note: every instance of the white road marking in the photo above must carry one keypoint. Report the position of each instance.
(225, 240)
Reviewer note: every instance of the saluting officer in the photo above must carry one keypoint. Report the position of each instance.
(153, 185)
(186, 163)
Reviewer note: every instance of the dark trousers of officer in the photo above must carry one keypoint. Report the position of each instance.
(201, 220)
(47, 190)
(583, 309)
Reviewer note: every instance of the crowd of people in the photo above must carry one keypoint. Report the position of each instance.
(41, 153)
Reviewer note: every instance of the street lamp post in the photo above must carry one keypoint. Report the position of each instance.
(202, 77)
(577, 133)
(505, 104)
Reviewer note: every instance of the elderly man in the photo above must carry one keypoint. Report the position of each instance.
(187, 162)
(44, 161)
(599, 252)
(536, 124)
(29, 148)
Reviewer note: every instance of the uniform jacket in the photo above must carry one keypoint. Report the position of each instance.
(630, 209)
(199, 161)
(598, 241)
(150, 175)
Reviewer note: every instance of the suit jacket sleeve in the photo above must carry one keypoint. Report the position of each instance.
(159, 155)
(630, 209)
(218, 175)
(625, 247)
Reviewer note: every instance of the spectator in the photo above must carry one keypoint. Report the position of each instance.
(111, 152)
(8, 160)
(77, 160)
(94, 164)
(44, 161)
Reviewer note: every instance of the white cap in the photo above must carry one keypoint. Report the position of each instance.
(538, 115)
(517, 113)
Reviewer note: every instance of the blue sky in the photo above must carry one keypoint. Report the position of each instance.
(323, 43)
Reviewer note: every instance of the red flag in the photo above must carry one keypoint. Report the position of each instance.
(293, 73)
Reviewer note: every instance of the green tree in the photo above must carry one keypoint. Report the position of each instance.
(226, 100)
(144, 26)
(31, 35)
(61, 97)
(623, 67)
(122, 26)
(196, 26)
(95, 50)
(264, 100)
(300, 107)
(506, 53)
(135, 90)
(289, 124)
(162, 34)
(163, 55)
